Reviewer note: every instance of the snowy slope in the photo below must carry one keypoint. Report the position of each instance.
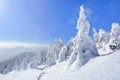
(100, 68)
(29, 74)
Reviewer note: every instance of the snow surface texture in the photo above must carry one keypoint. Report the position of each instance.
(29, 74)
(99, 68)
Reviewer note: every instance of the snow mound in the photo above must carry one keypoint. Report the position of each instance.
(100, 68)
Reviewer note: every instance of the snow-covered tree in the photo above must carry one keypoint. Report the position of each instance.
(63, 54)
(115, 31)
(50, 58)
(66, 51)
(95, 35)
(114, 42)
(42, 56)
(23, 61)
(84, 47)
(56, 47)
(102, 37)
(108, 42)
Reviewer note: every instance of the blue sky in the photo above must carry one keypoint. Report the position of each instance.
(40, 21)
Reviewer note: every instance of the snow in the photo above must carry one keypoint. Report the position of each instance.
(11, 49)
(115, 31)
(66, 50)
(62, 54)
(23, 61)
(29, 74)
(84, 47)
(100, 68)
(83, 25)
(108, 42)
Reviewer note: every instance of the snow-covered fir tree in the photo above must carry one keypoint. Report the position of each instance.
(50, 58)
(84, 47)
(56, 47)
(101, 38)
(114, 42)
(24, 61)
(66, 51)
(108, 42)
(115, 31)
